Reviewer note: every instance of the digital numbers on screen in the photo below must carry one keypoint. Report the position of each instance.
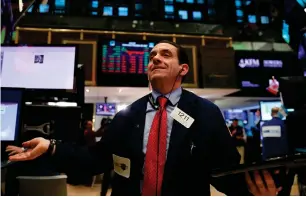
(126, 57)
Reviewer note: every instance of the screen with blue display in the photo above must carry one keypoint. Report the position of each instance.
(59, 7)
(266, 107)
(105, 109)
(11, 104)
(189, 10)
(236, 114)
(125, 57)
(112, 9)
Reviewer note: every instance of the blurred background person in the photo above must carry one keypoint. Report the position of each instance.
(239, 137)
(273, 133)
(103, 125)
(253, 153)
(89, 134)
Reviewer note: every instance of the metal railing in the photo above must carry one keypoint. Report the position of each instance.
(144, 35)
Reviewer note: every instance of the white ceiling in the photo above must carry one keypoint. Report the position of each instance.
(127, 95)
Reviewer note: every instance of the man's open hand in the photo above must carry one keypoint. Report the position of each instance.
(35, 148)
(260, 187)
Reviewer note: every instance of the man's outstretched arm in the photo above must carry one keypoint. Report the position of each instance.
(73, 158)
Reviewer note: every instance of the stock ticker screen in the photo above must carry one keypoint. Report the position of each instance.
(125, 57)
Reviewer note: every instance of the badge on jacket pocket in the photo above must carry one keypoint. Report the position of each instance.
(182, 117)
(122, 166)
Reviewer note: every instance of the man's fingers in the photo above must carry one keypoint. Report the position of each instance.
(19, 157)
(279, 189)
(12, 153)
(263, 185)
(27, 144)
(259, 183)
(10, 148)
(24, 156)
(252, 187)
(269, 180)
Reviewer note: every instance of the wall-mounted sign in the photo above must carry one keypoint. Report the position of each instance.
(273, 63)
(258, 72)
(249, 63)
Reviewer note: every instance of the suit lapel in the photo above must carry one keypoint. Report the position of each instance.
(139, 112)
(178, 132)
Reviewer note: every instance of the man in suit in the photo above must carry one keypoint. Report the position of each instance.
(274, 132)
(162, 144)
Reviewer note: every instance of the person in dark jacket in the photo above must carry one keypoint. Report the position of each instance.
(89, 134)
(274, 132)
(239, 137)
(103, 126)
(162, 144)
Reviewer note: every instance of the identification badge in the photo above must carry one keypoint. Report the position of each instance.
(271, 131)
(122, 166)
(182, 117)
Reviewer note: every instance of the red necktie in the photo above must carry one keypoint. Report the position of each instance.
(156, 152)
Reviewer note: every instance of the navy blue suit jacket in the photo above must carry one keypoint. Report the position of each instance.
(186, 172)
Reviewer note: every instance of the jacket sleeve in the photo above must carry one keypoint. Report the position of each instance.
(225, 154)
(69, 158)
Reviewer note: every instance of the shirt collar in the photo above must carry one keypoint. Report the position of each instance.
(174, 98)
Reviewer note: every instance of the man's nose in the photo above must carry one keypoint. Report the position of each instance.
(156, 60)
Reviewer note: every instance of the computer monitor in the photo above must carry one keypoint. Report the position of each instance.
(105, 109)
(241, 115)
(266, 107)
(11, 107)
(38, 67)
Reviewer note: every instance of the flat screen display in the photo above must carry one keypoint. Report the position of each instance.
(38, 67)
(10, 109)
(266, 107)
(125, 57)
(105, 109)
(8, 121)
(236, 114)
(259, 72)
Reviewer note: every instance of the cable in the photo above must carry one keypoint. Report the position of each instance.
(156, 105)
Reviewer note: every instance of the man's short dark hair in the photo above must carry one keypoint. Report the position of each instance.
(181, 52)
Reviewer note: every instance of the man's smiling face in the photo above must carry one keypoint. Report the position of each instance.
(164, 63)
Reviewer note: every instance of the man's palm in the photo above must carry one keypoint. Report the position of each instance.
(35, 148)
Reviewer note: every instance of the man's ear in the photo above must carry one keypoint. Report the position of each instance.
(184, 69)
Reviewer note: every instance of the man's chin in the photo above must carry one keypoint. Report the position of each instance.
(157, 76)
